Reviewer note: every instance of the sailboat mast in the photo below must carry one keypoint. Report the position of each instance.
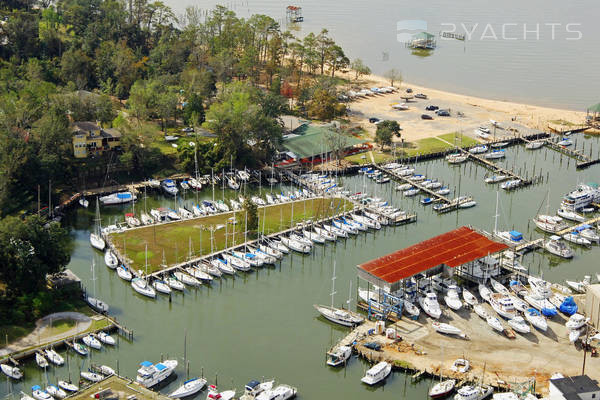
(496, 215)
(333, 285)
(212, 179)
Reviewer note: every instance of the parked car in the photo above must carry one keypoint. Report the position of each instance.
(188, 129)
(426, 116)
(442, 113)
(409, 90)
(431, 108)
(373, 120)
(420, 96)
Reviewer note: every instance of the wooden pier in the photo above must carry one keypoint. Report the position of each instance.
(496, 169)
(418, 185)
(591, 221)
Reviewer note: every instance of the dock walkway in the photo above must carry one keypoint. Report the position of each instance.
(497, 169)
(418, 185)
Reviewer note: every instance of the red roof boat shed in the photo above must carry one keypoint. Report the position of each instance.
(452, 249)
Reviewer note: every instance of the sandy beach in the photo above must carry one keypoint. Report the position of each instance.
(513, 118)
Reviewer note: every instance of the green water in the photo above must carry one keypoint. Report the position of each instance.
(262, 324)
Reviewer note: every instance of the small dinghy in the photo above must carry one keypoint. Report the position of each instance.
(188, 388)
(460, 365)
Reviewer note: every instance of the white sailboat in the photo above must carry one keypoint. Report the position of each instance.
(106, 338)
(11, 372)
(68, 386)
(141, 285)
(536, 319)
(338, 315)
(110, 259)
(95, 237)
(161, 286)
(188, 388)
(40, 360)
(519, 324)
(54, 357)
(92, 342)
(94, 302)
(124, 273)
(469, 298)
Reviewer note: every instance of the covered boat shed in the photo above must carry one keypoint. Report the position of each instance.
(451, 249)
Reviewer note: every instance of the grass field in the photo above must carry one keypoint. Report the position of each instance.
(178, 239)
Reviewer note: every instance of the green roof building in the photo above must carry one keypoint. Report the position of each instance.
(311, 141)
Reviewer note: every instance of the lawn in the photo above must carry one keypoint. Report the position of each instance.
(461, 140)
(177, 240)
(120, 388)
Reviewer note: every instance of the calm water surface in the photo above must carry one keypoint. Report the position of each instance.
(538, 52)
(263, 323)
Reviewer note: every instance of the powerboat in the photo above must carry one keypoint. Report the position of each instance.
(503, 305)
(117, 198)
(149, 374)
(169, 186)
(534, 317)
(469, 298)
(188, 388)
(558, 248)
(377, 373)
(495, 323)
(442, 389)
(339, 356)
(214, 394)
(430, 305)
(453, 300)
(580, 287)
(540, 287)
(576, 321)
(446, 328)
(141, 286)
(510, 237)
(519, 324)
(10, 371)
(587, 231)
(469, 392)
(460, 365)
(254, 388)
(580, 198)
(281, 392)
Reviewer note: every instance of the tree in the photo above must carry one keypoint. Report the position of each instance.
(195, 107)
(385, 132)
(360, 68)
(337, 141)
(251, 210)
(393, 75)
(336, 59)
(76, 67)
(324, 106)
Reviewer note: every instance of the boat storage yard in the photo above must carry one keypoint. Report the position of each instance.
(440, 259)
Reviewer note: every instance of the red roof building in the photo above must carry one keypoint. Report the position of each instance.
(450, 249)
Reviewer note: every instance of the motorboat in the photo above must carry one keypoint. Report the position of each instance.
(581, 198)
(254, 388)
(97, 242)
(110, 259)
(117, 198)
(534, 317)
(410, 309)
(377, 373)
(481, 148)
(427, 200)
(452, 300)
(149, 375)
(518, 288)
(576, 321)
(496, 178)
(430, 305)
(587, 231)
(132, 220)
(186, 279)
(576, 238)
(519, 304)
(460, 365)
(570, 215)
(106, 338)
(565, 142)
(54, 357)
(502, 303)
(92, 376)
(495, 323)
(161, 286)
(146, 219)
(519, 324)
(141, 286)
(558, 248)
(11, 371)
(169, 186)
(477, 392)
(124, 273)
(581, 286)
(339, 356)
(81, 349)
(498, 287)
(540, 287)
(188, 388)
(214, 394)
(153, 183)
(92, 342)
(281, 392)
(534, 145)
(39, 394)
(446, 328)
(40, 360)
(484, 292)
(494, 154)
(469, 298)
(512, 184)
(56, 392)
(68, 386)
(574, 335)
(442, 389)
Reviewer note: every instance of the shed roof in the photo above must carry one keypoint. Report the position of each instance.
(453, 249)
(312, 140)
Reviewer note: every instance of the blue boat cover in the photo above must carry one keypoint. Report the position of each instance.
(549, 312)
(514, 235)
(513, 283)
(252, 384)
(568, 306)
(124, 195)
(36, 387)
(146, 364)
(533, 311)
(582, 227)
(160, 366)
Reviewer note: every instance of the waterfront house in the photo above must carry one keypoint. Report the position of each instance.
(89, 139)
(580, 387)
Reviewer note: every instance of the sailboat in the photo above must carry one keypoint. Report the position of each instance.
(338, 315)
(95, 237)
(94, 302)
(140, 285)
(110, 259)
